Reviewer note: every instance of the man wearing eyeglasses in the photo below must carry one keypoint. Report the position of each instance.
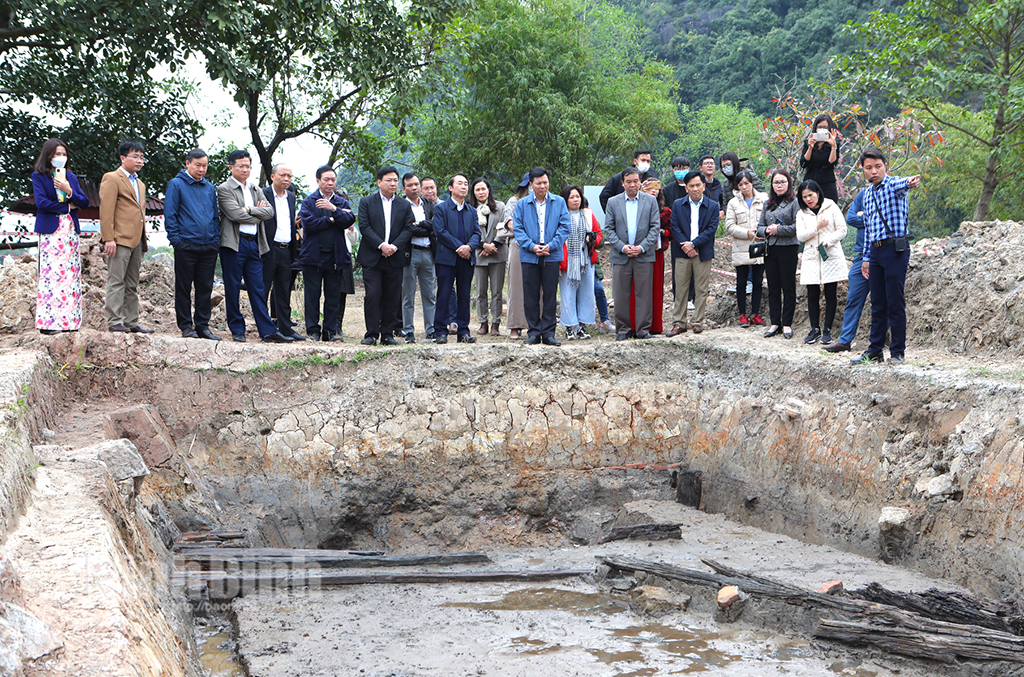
(123, 231)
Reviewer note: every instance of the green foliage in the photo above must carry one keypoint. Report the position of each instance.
(936, 51)
(952, 192)
(323, 68)
(728, 52)
(557, 83)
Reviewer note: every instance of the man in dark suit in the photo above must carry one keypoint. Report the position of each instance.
(694, 222)
(632, 227)
(325, 257)
(283, 242)
(541, 225)
(458, 236)
(421, 262)
(385, 223)
(642, 163)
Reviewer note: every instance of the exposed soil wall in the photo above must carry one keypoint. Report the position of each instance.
(428, 448)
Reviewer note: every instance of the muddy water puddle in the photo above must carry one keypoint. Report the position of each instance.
(506, 630)
(218, 649)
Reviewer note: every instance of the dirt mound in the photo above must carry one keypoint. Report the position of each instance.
(964, 292)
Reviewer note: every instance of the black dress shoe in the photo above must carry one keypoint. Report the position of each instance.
(440, 338)
(205, 333)
(295, 336)
(139, 329)
(388, 341)
(369, 341)
(624, 336)
(277, 337)
(466, 338)
(238, 338)
(643, 334)
(551, 341)
(772, 332)
(189, 333)
(336, 338)
(119, 328)
(532, 341)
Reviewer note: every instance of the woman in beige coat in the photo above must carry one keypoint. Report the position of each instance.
(515, 318)
(741, 217)
(821, 227)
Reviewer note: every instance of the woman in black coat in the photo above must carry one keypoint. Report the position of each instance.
(820, 155)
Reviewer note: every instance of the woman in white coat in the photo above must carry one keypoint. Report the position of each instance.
(741, 217)
(821, 227)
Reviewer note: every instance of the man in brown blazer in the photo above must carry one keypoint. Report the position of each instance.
(123, 231)
(243, 241)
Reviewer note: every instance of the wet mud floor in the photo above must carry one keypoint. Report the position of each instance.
(575, 627)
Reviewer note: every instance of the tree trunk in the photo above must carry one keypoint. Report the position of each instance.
(988, 186)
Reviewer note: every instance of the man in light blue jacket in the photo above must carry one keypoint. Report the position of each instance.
(540, 224)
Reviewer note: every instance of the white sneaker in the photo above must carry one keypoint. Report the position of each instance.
(608, 327)
(750, 287)
(581, 333)
(570, 333)
(690, 306)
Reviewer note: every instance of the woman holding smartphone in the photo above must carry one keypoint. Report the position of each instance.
(820, 155)
(777, 224)
(58, 198)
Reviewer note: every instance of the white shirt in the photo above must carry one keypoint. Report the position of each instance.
(283, 234)
(542, 210)
(247, 228)
(134, 180)
(419, 212)
(694, 219)
(387, 218)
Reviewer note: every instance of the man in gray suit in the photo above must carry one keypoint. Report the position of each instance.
(243, 241)
(632, 227)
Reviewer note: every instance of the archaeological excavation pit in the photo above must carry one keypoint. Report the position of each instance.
(441, 512)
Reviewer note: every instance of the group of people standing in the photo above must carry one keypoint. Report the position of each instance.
(544, 243)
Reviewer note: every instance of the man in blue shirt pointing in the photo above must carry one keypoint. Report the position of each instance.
(886, 255)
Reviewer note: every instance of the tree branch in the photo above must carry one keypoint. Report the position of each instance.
(930, 111)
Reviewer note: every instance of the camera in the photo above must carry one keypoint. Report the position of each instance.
(821, 135)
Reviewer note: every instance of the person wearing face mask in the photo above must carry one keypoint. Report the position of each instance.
(820, 155)
(642, 162)
(58, 198)
(712, 186)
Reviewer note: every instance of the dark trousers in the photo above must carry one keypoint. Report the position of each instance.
(277, 283)
(538, 278)
(602, 300)
(814, 304)
(887, 276)
(754, 275)
(780, 269)
(193, 267)
(246, 264)
(456, 278)
(328, 280)
(382, 307)
(855, 298)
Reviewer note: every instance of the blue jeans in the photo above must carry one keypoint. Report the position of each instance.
(247, 263)
(577, 302)
(856, 295)
(602, 300)
(887, 277)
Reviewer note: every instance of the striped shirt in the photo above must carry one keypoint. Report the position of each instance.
(884, 204)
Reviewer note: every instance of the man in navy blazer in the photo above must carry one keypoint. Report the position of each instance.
(458, 236)
(283, 242)
(540, 252)
(385, 223)
(693, 227)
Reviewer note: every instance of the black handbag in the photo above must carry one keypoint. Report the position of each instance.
(758, 249)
